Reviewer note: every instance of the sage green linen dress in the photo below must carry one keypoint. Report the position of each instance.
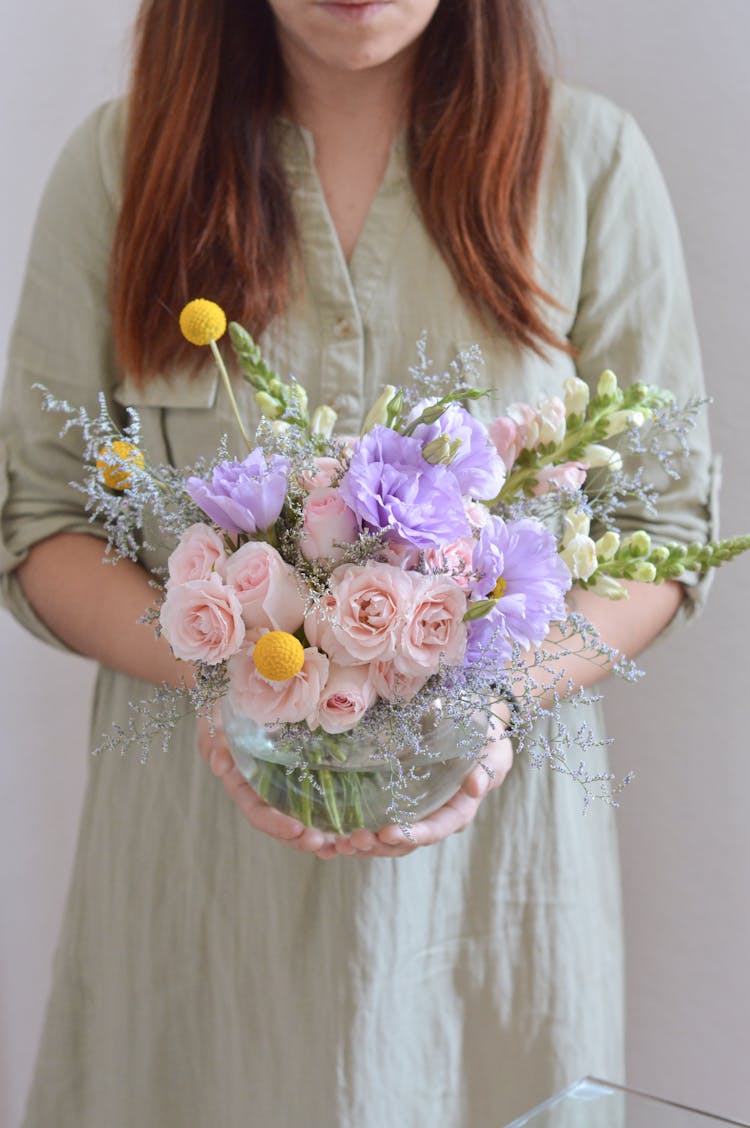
(207, 975)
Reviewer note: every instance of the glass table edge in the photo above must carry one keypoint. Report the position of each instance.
(596, 1083)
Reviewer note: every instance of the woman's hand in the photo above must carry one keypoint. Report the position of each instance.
(215, 751)
(390, 842)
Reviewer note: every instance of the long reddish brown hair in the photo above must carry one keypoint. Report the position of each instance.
(206, 211)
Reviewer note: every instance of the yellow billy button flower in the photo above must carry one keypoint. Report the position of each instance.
(278, 656)
(113, 461)
(202, 322)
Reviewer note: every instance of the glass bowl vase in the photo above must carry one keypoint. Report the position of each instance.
(344, 781)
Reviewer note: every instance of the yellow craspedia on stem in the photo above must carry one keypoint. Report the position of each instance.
(113, 462)
(202, 322)
(278, 656)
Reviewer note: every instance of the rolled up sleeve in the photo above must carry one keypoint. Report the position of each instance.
(62, 340)
(635, 316)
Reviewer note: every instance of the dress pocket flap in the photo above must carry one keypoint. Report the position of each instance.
(178, 391)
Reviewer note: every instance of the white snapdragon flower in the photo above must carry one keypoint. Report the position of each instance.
(577, 524)
(597, 455)
(580, 556)
(576, 395)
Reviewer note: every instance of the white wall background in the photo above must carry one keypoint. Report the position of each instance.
(681, 67)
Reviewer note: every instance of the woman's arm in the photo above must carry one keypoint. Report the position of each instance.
(94, 607)
(626, 625)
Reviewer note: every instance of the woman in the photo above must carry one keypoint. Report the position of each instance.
(340, 177)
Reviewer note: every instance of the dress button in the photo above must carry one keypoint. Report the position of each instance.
(342, 328)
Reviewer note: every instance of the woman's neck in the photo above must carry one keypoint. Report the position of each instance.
(344, 107)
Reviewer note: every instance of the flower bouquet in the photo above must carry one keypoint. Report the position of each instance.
(362, 605)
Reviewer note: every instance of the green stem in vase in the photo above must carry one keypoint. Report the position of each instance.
(305, 787)
(329, 798)
(262, 780)
(357, 817)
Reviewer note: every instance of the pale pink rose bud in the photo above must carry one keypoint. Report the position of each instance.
(551, 416)
(202, 621)
(506, 438)
(372, 603)
(267, 588)
(347, 696)
(392, 685)
(276, 702)
(327, 523)
(455, 560)
(435, 629)
(199, 553)
(566, 476)
(326, 471)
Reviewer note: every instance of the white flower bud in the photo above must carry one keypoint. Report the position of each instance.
(580, 556)
(323, 421)
(637, 544)
(441, 450)
(298, 398)
(619, 421)
(378, 413)
(596, 455)
(576, 395)
(644, 572)
(577, 524)
(268, 406)
(607, 385)
(551, 416)
(608, 587)
(607, 546)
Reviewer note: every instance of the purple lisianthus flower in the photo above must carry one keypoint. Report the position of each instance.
(478, 468)
(390, 486)
(518, 562)
(243, 497)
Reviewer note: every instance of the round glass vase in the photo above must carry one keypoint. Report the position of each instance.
(343, 781)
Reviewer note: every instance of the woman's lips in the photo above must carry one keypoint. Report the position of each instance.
(355, 12)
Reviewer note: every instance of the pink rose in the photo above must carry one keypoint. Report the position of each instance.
(347, 696)
(275, 702)
(202, 620)
(455, 557)
(199, 553)
(326, 472)
(435, 628)
(266, 587)
(566, 476)
(327, 522)
(390, 684)
(371, 605)
(506, 438)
